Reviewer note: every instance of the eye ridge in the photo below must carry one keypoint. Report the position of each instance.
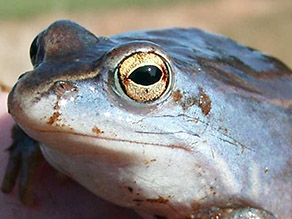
(146, 75)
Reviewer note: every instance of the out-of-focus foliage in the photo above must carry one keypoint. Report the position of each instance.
(28, 8)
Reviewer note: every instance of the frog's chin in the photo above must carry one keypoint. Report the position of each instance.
(124, 173)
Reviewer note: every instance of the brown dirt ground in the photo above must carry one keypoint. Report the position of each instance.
(262, 24)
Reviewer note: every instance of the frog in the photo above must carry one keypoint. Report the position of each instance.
(173, 123)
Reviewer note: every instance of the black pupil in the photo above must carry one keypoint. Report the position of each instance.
(146, 75)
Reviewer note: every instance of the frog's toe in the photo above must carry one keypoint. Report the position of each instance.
(12, 171)
(24, 158)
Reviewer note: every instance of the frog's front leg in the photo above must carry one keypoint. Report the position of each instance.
(24, 158)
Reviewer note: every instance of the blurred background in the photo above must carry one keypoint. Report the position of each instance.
(263, 24)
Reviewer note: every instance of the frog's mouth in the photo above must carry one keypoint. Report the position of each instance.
(76, 143)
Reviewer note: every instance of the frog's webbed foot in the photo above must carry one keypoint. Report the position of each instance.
(234, 213)
(24, 158)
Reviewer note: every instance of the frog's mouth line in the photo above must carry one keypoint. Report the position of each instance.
(113, 139)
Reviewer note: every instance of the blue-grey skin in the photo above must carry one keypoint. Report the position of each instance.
(220, 137)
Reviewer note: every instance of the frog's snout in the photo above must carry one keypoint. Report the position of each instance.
(10, 100)
(14, 104)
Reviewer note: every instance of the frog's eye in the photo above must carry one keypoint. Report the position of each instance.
(144, 77)
(36, 51)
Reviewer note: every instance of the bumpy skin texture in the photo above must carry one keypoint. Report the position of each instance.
(219, 139)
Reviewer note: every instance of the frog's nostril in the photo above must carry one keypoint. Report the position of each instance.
(62, 87)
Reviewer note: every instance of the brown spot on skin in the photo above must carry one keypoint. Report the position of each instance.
(176, 95)
(204, 102)
(266, 169)
(53, 118)
(130, 189)
(179, 147)
(61, 89)
(225, 130)
(160, 200)
(56, 107)
(97, 130)
(201, 100)
(212, 190)
(148, 161)
(60, 125)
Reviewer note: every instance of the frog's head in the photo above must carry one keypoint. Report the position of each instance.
(99, 105)
(90, 87)
(94, 97)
